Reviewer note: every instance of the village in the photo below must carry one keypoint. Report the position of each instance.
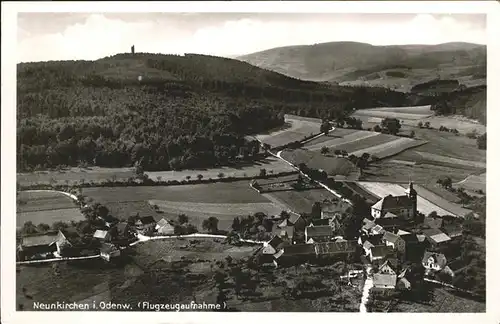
(393, 247)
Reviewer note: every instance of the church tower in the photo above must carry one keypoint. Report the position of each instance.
(412, 194)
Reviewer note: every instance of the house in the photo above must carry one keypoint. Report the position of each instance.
(384, 281)
(102, 235)
(394, 241)
(121, 230)
(379, 252)
(433, 222)
(434, 261)
(367, 242)
(454, 232)
(320, 222)
(296, 221)
(435, 237)
(294, 254)
(37, 246)
(273, 246)
(367, 226)
(286, 233)
(68, 241)
(388, 268)
(109, 251)
(404, 206)
(335, 249)
(377, 229)
(108, 220)
(335, 209)
(145, 225)
(318, 233)
(164, 227)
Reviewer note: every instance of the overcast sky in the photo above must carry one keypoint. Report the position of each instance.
(71, 36)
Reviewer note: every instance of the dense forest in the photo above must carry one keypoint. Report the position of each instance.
(163, 111)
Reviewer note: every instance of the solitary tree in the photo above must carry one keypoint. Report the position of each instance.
(211, 224)
(391, 125)
(324, 150)
(199, 176)
(182, 219)
(325, 127)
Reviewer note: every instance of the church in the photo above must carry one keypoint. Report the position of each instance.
(397, 206)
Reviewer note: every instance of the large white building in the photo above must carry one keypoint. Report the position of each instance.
(397, 206)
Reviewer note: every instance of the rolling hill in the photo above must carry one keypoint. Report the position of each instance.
(163, 112)
(360, 63)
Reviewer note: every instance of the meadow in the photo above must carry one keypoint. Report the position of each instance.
(222, 200)
(473, 182)
(295, 129)
(45, 207)
(99, 175)
(333, 166)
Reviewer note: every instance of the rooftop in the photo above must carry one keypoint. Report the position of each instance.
(298, 249)
(100, 234)
(391, 237)
(380, 279)
(380, 251)
(314, 231)
(39, 239)
(439, 258)
(335, 247)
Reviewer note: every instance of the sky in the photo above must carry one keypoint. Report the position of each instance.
(89, 36)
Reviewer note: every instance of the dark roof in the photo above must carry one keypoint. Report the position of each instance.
(452, 230)
(392, 263)
(72, 235)
(298, 249)
(439, 257)
(275, 241)
(121, 227)
(320, 222)
(393, 202)
(381, 250)
(380, 279)
(431, 232)
(38, 240)
(336, 207)
(147, 220)
(335, 247)
(108, 248)
(390, 237)
(435, 235)
(410, 238)
(433, 222)
(314, 231)
(457, 265)
(368, 225)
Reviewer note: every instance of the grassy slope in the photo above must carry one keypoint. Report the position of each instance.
(341, 61)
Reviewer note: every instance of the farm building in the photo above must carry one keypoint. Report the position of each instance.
(367, 242)
(394, 241)
(286, 234)
(335, 209)
(454, 232)
(37, 246)
(401, 206)
(145, 225)
(101, 235)
(121, 230)
(434, 261)
(69, 241)
(435, 237)
(296, 221)
(108, 220)
(320, 222)
(109, 251)
(379, 252)
(388, 268)
(273, 246)
(334, 250)
(294, 254)
(164, 227)
(318, 233)
(384, 281)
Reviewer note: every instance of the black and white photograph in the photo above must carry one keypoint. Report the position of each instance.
(188, 160)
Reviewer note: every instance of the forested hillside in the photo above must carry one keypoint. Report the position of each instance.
(163, 111)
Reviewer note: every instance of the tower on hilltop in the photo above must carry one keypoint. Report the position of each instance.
(132, 49)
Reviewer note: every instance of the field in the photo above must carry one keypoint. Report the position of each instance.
(295, 130)
(71, 175)
(98, 175)
(445, 159)
(222, 200)
(443, 301)
(333, 166)
(390, 148)
(338, 137)
(64, 282)
(473, 182)
(271, 164)
(45, 207)
(358, 142)
(401, 113)
(427, 201)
